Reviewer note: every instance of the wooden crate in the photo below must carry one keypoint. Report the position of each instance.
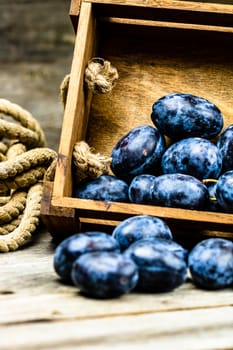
(158, 47)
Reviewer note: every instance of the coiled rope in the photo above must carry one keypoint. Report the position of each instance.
(24, 160)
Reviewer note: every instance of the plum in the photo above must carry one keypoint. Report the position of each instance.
(179, 191)
(225, 145)
(161, 268)
(138, 152)
(139, 189)
(211, 263)
(193, 156)
(104, 188)
(104, 274)
(224, 191)
(76, 245)
(182, 115)
(137, 227)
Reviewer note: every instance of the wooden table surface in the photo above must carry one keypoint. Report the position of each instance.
(39, 312)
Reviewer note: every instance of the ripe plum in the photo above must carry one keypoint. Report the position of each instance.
(104, 274)
(139, 189)
(138, 152)
(179, 191)
(211, 263)
(74, 246)
(104, 188)
(182, 115)
(193, 156)
(225, 145)
(224, 191)
(161, 269)
(140, 226)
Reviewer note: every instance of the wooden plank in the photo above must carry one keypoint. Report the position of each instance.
(200, 329)
(171, 4)
(57, 302)
(120, 211)
(165, 24)
(75, 6)
(75, 115)
(59, 221)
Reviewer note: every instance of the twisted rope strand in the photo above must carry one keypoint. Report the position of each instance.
(3, 147)
(15, 149)
(89, 164)
(13, 207)
(25, 161)
(11, 226)
(23, 180)
(4, 200)
(24, 117)
(28, 224)
(11, 130)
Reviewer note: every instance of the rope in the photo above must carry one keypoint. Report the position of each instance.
(100, 77)
(28, 223)
(13, 207)
(24, 160)
(88, 163)
(25, 118)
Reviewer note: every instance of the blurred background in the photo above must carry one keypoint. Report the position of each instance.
(36, 49)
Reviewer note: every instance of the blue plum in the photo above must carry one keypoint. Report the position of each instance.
(140, 226)
(211, 263)
(179, 191)
(225, 145)
(104, 274)
(76, 245)
(181, 115)
(193, 156)
(224, 191)
(161, 268)
(104, 188)
(139, 189)
(138, 152)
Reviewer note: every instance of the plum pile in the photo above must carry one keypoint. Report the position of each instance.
(185, 160)
(140, 255)
(74, 246)
(170, 163)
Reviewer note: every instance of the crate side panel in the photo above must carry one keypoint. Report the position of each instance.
(222, 6)
(78, 102)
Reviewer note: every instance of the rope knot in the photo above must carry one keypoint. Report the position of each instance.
(100, 75)
(89, 164)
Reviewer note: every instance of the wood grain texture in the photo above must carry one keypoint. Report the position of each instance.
(39, 312)
(76, 111)
(208, 6)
